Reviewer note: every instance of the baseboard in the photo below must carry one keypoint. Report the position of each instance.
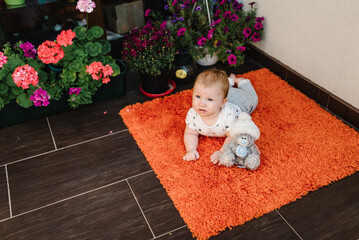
(345, 111)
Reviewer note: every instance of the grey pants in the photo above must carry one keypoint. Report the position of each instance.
(244, 96)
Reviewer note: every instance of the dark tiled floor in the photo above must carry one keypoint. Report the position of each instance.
(80, 175)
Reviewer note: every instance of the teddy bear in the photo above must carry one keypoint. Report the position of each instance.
(241, 150)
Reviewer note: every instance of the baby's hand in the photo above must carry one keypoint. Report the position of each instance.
(191, 155)
(215, 157)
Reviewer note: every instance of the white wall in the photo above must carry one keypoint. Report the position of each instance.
(318, 39)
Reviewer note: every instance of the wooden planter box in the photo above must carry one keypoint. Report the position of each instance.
(13, 114)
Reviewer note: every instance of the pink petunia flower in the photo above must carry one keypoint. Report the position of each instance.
(201, 41)
(210, 33)
(147, 12)
(241, 48)
(247, 32)
(258, 25)
(181, 31)
(232, 59)
(255, 37)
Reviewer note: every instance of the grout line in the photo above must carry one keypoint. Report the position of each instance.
(52, 135)
(164, 234)
(289, 224)
(74, 196)
(140, 209)
(62, 148)
(8, 190)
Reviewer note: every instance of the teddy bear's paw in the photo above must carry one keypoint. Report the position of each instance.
(226, 160)
(252, 162)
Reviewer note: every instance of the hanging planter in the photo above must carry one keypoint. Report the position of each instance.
(208, 60)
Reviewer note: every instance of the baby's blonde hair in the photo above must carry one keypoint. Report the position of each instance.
(213, 76)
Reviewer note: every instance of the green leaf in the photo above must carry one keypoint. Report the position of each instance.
(3, 88)
(93, 49)
(96, 31)
(16, 90)
(24, 101)
(106, 46)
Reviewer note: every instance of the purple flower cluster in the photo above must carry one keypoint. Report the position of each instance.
(74, 91)
(29, 50)
(40, 98)
(147, 39)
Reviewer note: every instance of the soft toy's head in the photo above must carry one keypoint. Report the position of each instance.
(244, 125)
(243, 139)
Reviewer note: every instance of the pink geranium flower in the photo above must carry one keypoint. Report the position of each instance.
(24, 76)
(3, 59)
(98, 71)
(65, 38)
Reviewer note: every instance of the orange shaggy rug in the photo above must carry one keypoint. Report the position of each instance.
(302, 146)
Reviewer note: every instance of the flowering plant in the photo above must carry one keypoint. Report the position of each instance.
(192, 27)
(83, 58)
(149, 49)
(21, 74)
(235, 29)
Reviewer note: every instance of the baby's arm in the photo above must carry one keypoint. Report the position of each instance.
(190, 138)
(216, 154)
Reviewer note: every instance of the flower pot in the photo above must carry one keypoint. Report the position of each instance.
(154, 84)
(208, 60)
(185, 69)
(56, 69)
(14, 2)
(12, 113)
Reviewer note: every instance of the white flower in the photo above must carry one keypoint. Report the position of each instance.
(85, 6)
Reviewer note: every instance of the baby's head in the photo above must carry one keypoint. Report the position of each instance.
(212, 77)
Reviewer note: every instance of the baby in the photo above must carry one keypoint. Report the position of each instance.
(217, 102)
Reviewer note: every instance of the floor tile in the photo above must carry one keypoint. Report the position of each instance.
(64, 173)
(332, 212)
(4, 199)
(25, 140)
(269, 226)
(107, 213)
(155, 203)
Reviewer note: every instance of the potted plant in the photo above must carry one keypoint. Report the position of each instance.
(150, 51)
(83, 60)
(235, 29)
(22, 77)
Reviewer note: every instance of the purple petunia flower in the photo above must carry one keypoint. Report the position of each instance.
(74, 91)
(225, 29)
(181, 19)
(210, 33)
(258, 25)
(166, 7)
(181, 31)
(247, 32)
(214, 23)
(227, 14)
(219, 43)
(228, 52)
(175, 20)
(259, 19)
(29, 50)
(255, 37)
(241, 48)
(232, 59)
(201, 41)
(234, 17)
(198, 8)
(40, 98)
(237, 6)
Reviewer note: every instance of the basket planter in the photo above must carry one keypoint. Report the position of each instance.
(13, 114)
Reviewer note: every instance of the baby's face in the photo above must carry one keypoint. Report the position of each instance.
(208, 101)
